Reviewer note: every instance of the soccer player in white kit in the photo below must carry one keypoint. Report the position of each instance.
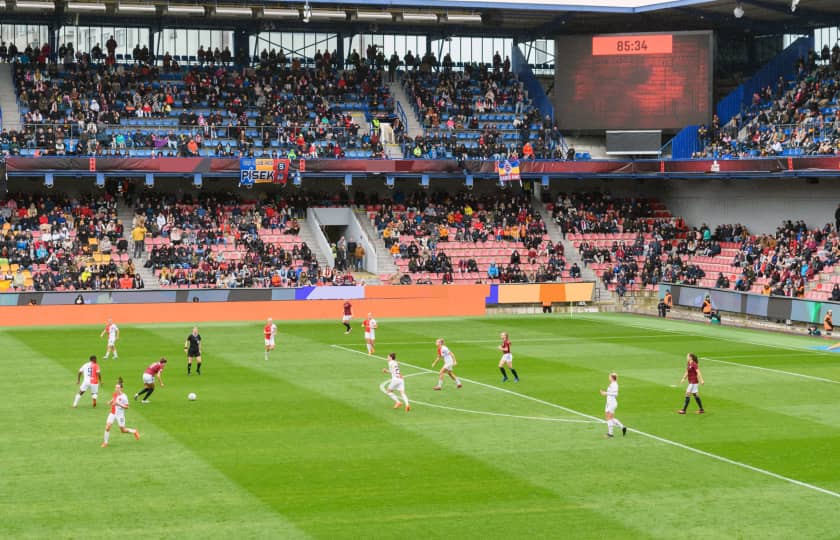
(370, 325)
(270, 331)
(113, 332)
(397, 383)
(612, 404)
(449, 364)
(118, 403)
(91, 373)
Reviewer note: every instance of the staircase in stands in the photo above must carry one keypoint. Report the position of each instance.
(9, 108)
(305, 235)
(414, 127)
(126, 215)
(571, 254)
(385, 267)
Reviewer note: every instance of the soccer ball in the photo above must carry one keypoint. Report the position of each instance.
(191, 396)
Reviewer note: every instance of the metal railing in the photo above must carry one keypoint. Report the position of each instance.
(107, 136)
(402, 115)
(820, 129)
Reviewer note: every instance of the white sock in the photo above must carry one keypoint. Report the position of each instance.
(130, 430)
(76, 400)
(368, 348)
(440, 382)
(617, 423)
(107, 436)
(405, 398)
(115, 354)
(457, 381)
(393, 396)
(610, 427)
(106, 355)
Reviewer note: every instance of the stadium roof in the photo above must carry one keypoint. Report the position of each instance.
(523, 19)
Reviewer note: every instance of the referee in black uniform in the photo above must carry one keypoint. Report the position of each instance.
(193, 348)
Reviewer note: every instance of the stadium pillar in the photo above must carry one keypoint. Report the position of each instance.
(53, 39)
(752, 50)
(339, 49)
(241, 41)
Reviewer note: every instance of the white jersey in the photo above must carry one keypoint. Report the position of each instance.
(446, 354)
(87, 370)
(121, 405)
(394, 369)
(370, 328)
(112, 332)
(612, 397)
(117, 413)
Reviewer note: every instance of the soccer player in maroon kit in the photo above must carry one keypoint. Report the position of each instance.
(692, 373)
(149, 380)
(348, 314)
(507, 358)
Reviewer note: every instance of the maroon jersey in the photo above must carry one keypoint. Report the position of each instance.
(506, 346)
(348, 309)
(155, 368)
(691, 370)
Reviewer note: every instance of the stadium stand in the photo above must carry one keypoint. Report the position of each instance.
(64, 244)
(271, 109)
(468, 239)
(226, 242)
(634, 245)
(794, 117)
(482, 112)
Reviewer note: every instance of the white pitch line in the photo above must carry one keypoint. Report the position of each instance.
(511, 392)
(756, 355)
(547, 339)
(771, 370)
(487, 413)
(663, 440)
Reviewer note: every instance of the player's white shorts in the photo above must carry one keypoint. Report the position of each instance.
(612, 405)
(120, 418)
(269, 342)
(370, 335)
(397, 384)
(148, 378)
(507, 358)
(112, 341)
(691, 389)
(448, 365)
(87, 385)
(346, 318)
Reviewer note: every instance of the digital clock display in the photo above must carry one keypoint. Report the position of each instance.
(633, 81)
(632, 44)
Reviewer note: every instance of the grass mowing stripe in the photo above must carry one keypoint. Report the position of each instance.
(642, 433)
(771, 370)
(350, 438)
(54, 467)
(739, 339)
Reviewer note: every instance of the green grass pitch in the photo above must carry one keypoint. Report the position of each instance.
(305, 445)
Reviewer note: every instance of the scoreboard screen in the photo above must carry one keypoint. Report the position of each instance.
(633, 81)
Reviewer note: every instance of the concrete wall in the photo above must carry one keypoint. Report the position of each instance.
(345, 217)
